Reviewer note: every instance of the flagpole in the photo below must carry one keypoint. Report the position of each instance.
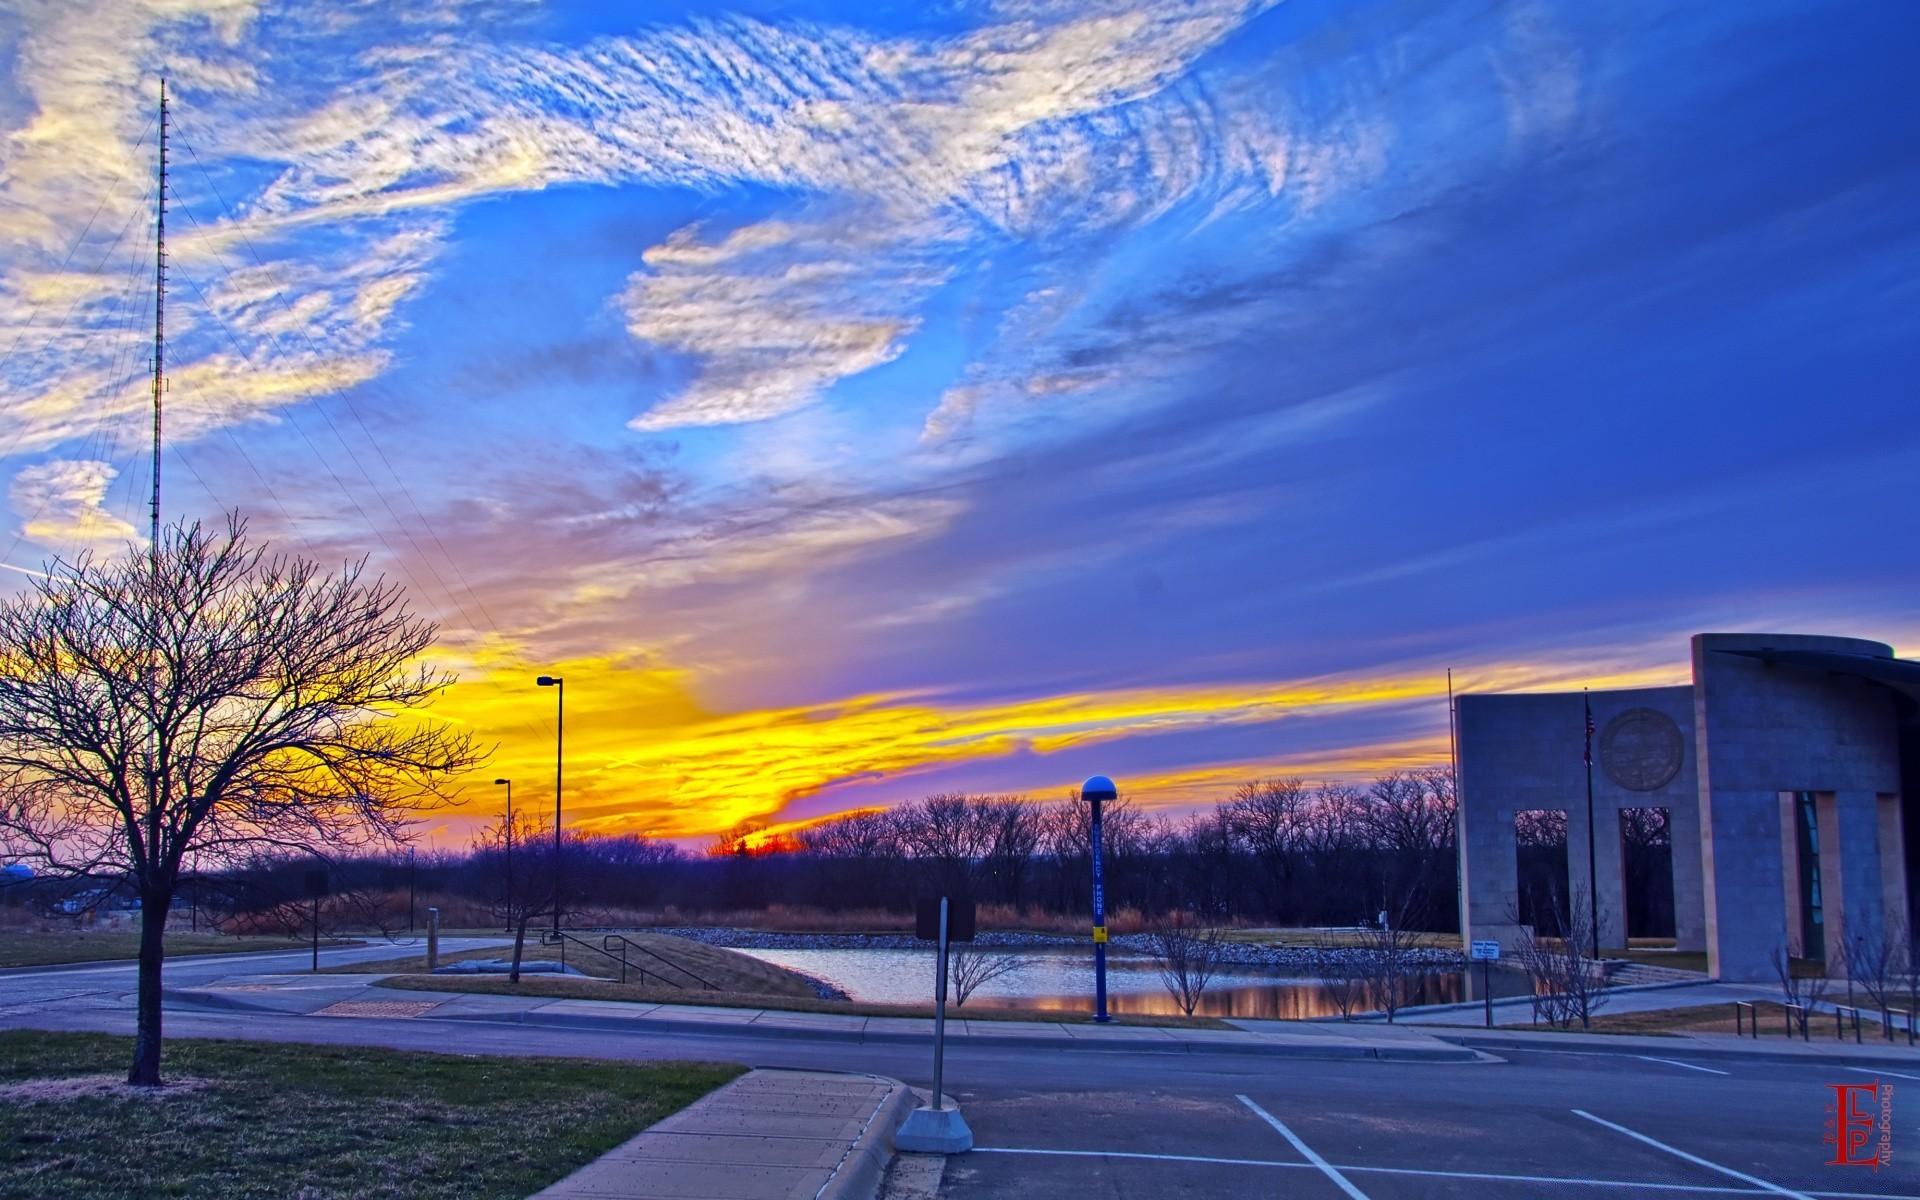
(1593, 860)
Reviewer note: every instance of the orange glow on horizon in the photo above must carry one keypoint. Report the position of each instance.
(644, 756)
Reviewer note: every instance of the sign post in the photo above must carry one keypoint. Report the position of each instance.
(1096, 791)
(935, 1128)
(316, 888)
(1486, 952)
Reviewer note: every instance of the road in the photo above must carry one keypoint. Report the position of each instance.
(1103, 1123)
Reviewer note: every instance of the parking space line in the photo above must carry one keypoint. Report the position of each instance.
(1306, 1151)
(1866, 1071)
(1774, 1189)
(1699, 1189)
(1181, 1158)
(1674, 1062)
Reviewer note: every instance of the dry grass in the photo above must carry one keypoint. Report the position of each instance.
(1331, 937)
(318, 1123)
(33, 948)
(575, 988)
(727, 970)
(1718, 1018)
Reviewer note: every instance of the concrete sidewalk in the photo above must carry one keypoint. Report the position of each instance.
(768, 1135)
(355, 996)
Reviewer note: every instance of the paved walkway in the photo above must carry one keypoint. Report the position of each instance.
(355, 996)
(1431, 1040)
(768, 1135)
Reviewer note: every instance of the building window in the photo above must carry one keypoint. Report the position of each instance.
(1646, 871)
(1806, 825)
(1540, 862)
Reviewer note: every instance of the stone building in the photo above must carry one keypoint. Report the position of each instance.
(1788, 772)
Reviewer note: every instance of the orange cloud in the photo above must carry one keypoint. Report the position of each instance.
(643, 755)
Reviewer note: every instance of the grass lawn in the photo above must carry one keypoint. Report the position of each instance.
(576, 988)
(727, 970)
(24, 948)
(257, 1119)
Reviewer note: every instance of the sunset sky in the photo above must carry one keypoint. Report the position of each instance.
(855, 401)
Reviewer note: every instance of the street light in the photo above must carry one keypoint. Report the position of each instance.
(559, 757)
(508, 784)
(1095, 791)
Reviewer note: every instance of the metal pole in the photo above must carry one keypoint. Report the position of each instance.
(510, 920)
(1099, 925)
(940, 1012)
(1486, 988)
(559, 761)
(316, 933)
(412, 881)
(1593, 861)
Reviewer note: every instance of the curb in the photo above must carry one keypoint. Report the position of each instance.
(1514, 1002)
(214, 1000)
(1692, 1048)
(1411, 1054)
(860, 1172)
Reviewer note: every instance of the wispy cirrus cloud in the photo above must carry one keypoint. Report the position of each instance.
(63, 503)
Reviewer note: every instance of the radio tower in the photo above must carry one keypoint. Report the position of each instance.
(159, 322)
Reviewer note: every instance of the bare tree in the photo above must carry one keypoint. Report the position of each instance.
(1387, 958)
(1568, 986)
(1343, 972)
(517, 876)
(203, 696)
(968, 967)
(1800, 996)
(1877, 961)
(1189, 957)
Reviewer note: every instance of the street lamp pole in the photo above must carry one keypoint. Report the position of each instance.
(508, 783)
(411, 877)
(1096, 791)
(559, 760)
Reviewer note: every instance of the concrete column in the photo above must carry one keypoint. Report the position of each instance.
(1856, 899)
(1893, 862)
(1607, 884)
(1689, 904)
(1489, 877)
(1744, 882)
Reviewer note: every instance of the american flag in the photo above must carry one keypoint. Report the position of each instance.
(1589, 755)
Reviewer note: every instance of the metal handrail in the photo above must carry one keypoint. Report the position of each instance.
(562, 937)
(1753, 1011)
(626, 942)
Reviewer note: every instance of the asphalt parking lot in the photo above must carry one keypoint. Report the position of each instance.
(1061, 1125)
(1538, 1125)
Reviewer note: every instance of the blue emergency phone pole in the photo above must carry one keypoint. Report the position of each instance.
(1095, 791)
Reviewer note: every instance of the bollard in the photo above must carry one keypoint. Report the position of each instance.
(433, 940)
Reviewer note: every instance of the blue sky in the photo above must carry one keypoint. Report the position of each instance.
(859, 401)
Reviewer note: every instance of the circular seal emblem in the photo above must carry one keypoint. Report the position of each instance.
(1641, 749)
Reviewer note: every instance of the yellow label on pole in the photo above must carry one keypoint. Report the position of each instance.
(1099, 933)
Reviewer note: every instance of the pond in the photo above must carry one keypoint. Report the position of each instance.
(1061, 980)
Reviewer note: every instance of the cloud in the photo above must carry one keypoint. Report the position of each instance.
(63, 504)
(645, 756)
(776, 313)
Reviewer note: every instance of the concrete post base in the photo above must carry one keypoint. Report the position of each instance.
(934, 1131)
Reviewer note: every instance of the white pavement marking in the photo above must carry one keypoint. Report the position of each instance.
(1477, 1176)
(1674, 1062)
(1866, 1071)
(1772, 1188)
(1306, 1151)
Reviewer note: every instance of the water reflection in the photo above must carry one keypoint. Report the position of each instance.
(1062, 981)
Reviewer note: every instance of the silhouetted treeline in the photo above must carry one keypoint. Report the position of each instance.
(1276, 852)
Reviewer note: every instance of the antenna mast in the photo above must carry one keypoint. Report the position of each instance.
(159, 318)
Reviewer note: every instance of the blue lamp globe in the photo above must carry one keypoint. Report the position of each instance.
(1099, 788)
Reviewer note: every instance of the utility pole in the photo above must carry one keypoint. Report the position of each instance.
(1593, 859)
(159, 325)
